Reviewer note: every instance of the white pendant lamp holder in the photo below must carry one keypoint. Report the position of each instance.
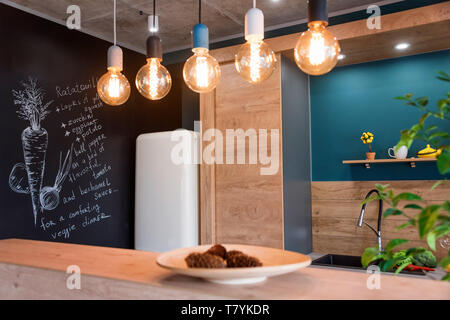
(153, 23)
(115, 58)
(254, 24)
(113, 87)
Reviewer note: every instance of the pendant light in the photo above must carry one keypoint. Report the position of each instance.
(153, 80)
(317, 50)
(201, 72)
(255, 61)
(113, 87)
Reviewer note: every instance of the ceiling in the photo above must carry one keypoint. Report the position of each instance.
(225, 18)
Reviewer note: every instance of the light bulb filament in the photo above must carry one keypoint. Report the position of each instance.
(114, 86)
(153, 78)
(317, 49)
(202, 72)
(254, 61)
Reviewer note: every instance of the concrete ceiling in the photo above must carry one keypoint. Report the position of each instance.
(225, 18)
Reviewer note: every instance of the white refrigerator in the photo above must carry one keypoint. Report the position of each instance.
(166, 193)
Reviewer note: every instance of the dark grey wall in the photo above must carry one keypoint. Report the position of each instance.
(296, 157)
(190, 107)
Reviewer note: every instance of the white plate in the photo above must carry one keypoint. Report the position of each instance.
(275, 262)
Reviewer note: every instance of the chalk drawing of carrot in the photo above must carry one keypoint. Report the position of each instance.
(49, 196)
(34, 138)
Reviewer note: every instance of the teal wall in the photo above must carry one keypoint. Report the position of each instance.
(353, 99)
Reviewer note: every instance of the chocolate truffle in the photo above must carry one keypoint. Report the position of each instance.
(232, 253)
(204, 260)
(242, 261)
(218, 250)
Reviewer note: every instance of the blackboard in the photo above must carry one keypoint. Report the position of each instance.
(70, 176)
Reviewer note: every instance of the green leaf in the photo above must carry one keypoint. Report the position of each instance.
(394, 243)
(401, 267)
(411, 222)
(446, 206)
(443, 162)
(388, 265)
(437, 184)
(446, 277)
(406, 139)
(431, 240)
(392, 212)
(427, 219)
(381, 187)
(442, 104)
(423, 101)
(369, 255)
(439, 134)
(407, 196)
(443, 76)
(424, 117)
(413, 206)
(445, 262)
(442, 230)
(370, 199)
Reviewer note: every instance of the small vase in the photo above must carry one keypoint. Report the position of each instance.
(370, 155)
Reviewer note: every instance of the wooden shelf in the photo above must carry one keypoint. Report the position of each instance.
(411, 161)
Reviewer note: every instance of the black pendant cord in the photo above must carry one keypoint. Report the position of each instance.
(154, 12)
(115, 32)
(154, 7)
(199, 11)
(154, 46)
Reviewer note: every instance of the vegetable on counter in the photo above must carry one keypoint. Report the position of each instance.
(425, 259)
(411, 259)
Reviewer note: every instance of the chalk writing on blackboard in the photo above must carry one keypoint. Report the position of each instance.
(84, 184)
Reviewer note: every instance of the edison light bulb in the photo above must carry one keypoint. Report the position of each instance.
(201, 72)
(113, 87)
(255, 61)
(153, 80)
(317, 50)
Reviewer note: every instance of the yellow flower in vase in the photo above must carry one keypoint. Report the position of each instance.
(367, 138)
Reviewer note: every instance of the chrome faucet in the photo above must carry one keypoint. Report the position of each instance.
(380, 213)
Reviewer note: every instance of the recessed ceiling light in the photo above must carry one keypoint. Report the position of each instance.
(341, 56)
(402, 46)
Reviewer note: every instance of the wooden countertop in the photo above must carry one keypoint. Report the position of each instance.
(37, 270)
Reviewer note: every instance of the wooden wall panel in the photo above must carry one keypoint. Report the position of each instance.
(247, 207)
(207, 173)
(336, 206)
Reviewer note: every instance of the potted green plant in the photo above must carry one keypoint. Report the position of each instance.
(431, 221)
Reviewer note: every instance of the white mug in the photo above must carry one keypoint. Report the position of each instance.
(401, 153)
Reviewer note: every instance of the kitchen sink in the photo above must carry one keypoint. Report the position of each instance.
(337, 260)
(349, 262)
